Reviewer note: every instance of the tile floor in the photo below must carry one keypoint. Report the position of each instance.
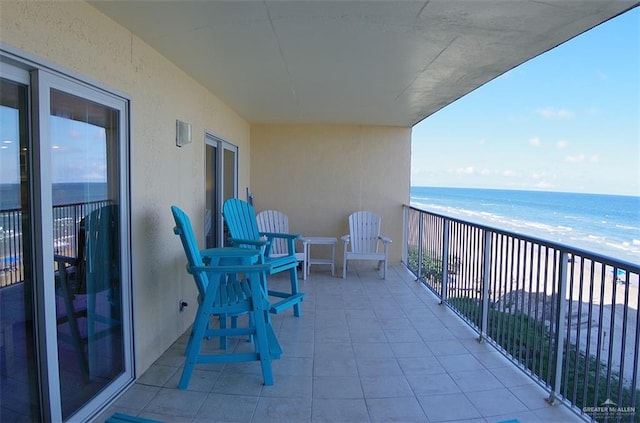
(364, 350)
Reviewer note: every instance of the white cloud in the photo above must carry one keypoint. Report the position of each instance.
(485, 172)
(544, 185)
(537, 176)
(469, 170)
(595, 158)
(579, 158)
(562, 144)
(535, 142)
(509, 173)
(553, 113)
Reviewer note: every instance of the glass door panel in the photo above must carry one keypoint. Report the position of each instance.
(84, 137)
(221, 183)
(229, 182)
(228, 179)
(19, 398)
(211, 201)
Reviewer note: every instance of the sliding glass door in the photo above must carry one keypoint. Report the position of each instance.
(221, 183)
(65, 340)
(85, 191)
(19, 399)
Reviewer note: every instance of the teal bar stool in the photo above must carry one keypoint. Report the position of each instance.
(241, 220)
(230, 283)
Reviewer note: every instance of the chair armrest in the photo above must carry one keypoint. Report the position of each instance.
(258, 243)
(65, 259)
(280, 235)
(385, 239)
(240, 268)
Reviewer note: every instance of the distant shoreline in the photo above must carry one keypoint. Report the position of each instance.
(636, 196)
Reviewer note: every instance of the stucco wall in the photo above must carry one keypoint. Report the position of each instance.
(319, 174)
(76, 37)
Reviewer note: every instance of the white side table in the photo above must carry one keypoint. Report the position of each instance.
(308, 242)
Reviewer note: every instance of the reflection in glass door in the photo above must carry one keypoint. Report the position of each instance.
(85, 183)
(210, 196)
(221, 183)
(65, 309)
(19, 399)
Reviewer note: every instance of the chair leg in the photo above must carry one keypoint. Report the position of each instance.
(195, 344)
(262, 346)
(72, 321)
(222, 319)
(294, 290)
(344, 268)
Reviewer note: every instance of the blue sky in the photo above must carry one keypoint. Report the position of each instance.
(568, 120)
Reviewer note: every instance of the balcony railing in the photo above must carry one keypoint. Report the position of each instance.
(566, 317)
(66, 222)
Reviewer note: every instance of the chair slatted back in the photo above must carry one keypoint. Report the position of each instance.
(276, 222)
(364, 228)
(240, 217)
(194, 258)
(98, 249)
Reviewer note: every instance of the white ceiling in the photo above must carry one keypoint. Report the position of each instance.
(359, 62)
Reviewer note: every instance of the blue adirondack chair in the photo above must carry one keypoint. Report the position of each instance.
(94, 273)
(241, 220)
(224, 294)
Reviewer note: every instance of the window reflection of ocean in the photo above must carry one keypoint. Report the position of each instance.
(64, 227)
(64, 193)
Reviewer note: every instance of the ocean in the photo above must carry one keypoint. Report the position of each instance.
(62, 193)
(604, 224)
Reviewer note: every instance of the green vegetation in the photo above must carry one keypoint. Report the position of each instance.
(431, 265)
(531, 342)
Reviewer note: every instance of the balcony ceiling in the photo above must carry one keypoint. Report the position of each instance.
(358, 62)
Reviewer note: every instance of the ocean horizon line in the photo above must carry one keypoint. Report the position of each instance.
(637, 195)
(604, 223)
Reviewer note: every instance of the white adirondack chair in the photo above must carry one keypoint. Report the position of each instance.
(275, 221)
(363, 241)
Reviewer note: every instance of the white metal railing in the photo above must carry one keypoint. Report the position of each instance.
(567, 317)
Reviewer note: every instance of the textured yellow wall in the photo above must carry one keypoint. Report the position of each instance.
(77, 37)
(319, 174)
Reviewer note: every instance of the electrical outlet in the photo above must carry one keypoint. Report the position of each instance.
(181, 305)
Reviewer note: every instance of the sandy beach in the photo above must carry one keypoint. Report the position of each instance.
(525, 278)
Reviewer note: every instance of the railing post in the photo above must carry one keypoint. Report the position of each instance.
(486, 265)
(420, 252)
(560, 328)
(445, 260)
(405, 233)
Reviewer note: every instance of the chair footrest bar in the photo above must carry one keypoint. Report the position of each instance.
(280, 294)
(290, 300)
(228, 332)
(226, 358)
